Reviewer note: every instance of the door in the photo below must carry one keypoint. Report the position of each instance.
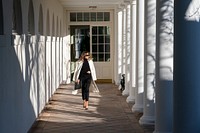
(100, 48)
(80, 41)
(96, 40)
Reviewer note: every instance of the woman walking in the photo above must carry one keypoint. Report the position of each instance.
(85, 73)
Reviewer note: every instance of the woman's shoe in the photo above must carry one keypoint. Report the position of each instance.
(84, 102)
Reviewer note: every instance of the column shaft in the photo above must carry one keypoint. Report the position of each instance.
(164, 66)
(148, 117)
(119, 42)
(131, 97)
(138, 106)
(127, 53)
(124, 42)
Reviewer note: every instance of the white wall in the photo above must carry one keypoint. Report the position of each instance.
(31, 66)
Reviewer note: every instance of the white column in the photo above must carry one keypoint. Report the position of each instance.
(127, 53)
(148, 117)
(123, 41)
(164, 66)
(138, 106)
(131, 97)
(118, 48)
(124, 46)
(186, 67)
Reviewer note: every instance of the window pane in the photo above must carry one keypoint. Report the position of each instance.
(94, 56)
(101, 39)
(107, 48)
(94, 48)
(72, 16)
(86, 16)
(99, 16)
(107, 30)
(107, 39)
(94, 39)
(101, 57)
(94, 30)
(93, 16)
(79, 16)
(106, 16)
(107, 57)
(101, 30)
(101, 48)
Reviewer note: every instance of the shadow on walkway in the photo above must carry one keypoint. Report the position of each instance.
(108, 113)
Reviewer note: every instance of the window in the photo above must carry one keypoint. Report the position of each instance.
(106, 16)
(100, 16)
(86, 16)
(101, 43)
(79, 16)
(93, 16)
(89, 16)
(72, 17)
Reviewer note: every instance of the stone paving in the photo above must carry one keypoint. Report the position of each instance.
(108, 113)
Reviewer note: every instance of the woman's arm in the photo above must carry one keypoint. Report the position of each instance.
(77, 71)
(93, 71)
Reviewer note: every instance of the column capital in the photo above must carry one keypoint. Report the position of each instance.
(133, 2)
(127, 1)
(121, 6)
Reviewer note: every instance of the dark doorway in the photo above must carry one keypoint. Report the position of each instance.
(80, 40)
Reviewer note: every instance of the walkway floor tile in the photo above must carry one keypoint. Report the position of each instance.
(108, 113)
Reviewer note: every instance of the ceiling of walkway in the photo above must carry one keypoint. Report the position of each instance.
(91, 3)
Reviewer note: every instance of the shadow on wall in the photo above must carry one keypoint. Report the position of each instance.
(19, 88)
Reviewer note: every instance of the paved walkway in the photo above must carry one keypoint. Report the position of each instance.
(108, 113)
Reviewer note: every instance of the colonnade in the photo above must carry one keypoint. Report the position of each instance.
(160, 59)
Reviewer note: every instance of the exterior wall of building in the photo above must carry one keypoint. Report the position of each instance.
(33, 64)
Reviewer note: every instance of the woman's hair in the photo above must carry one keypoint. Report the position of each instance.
(83, 55)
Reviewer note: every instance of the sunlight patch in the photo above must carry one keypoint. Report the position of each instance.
(193, 11)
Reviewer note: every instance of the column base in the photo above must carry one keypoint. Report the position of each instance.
(147, 120)
(130, 99)
(137, 108)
